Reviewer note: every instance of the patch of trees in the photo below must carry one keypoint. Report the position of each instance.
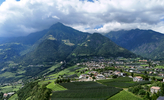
(33, 91)
(138, 90)
(62, 80)
(1, 95)
(145, 91)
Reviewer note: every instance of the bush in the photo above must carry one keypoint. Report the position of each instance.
(141, 92)
(114, 76)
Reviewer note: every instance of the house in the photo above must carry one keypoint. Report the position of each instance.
(131, 71)
(123, 74)
(154, 89)
(142, 60)
(10, 94)
(118, 73)
(83, 76)
(93, 72)
(100, 76)
(90, 79)
(160, 98)
(137, 79)
(5, 95)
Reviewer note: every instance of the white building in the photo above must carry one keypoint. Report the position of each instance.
(137, 79)
(154, 89)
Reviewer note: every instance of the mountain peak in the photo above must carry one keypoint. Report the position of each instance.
(57, 25)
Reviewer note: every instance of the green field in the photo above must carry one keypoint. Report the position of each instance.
(55, 87)
(144, 65)
(14, 97)
(121, 82)
(68, 71)
(159, 67)
(7, 89)
(124, 95)
(84, 91)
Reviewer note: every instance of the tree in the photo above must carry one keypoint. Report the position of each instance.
(1, 95)
(162, 89)
(93, 78)
(153, 78)
(132, 74)
(114, 76)
(154, 97)
(91, 74)
(149, 63)
(147, 96)
(141, 92)
(68, 80)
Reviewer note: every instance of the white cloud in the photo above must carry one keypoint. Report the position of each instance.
(26, 16)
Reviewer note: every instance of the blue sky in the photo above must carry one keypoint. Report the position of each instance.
(1, 1)
(27, 16)
(87, 0)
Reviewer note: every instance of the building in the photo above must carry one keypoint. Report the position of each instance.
(83, 76)
(154, 89)
(137, 79)
(100, 76)
(160, 98)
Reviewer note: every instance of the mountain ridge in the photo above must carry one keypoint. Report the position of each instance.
(146, 43)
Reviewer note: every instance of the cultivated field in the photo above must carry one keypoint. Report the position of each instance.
(124, 95)
(121, 82)
(84, 91)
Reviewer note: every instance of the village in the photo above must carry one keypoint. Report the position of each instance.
(97, 69)
(139, 71)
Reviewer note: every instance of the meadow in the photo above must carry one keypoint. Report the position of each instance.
(124, 95)
(55, 87)
(6, 89)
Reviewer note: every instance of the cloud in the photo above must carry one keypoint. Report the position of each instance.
(26, 16)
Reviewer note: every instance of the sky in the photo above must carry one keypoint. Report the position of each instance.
(22, 17)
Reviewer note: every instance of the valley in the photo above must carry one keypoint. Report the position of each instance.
(65, 64)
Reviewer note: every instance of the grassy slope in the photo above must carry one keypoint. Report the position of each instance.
(55, 87)
(14, 97)
(7, 89)
(124, 95)
(7, 74)
(67, 71)
(53, 68)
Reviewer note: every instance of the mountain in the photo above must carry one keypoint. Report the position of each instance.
(61, 42)
(146, 43)
(38, 53)
(98, 45)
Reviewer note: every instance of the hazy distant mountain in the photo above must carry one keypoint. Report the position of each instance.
(146, 43)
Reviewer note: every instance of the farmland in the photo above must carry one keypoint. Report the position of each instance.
(124, 95)
(85, 91)
(55, 87)
(121, 82)
(6, 89)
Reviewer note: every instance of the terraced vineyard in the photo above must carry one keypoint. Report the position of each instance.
(85, 91)
(121, 82)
